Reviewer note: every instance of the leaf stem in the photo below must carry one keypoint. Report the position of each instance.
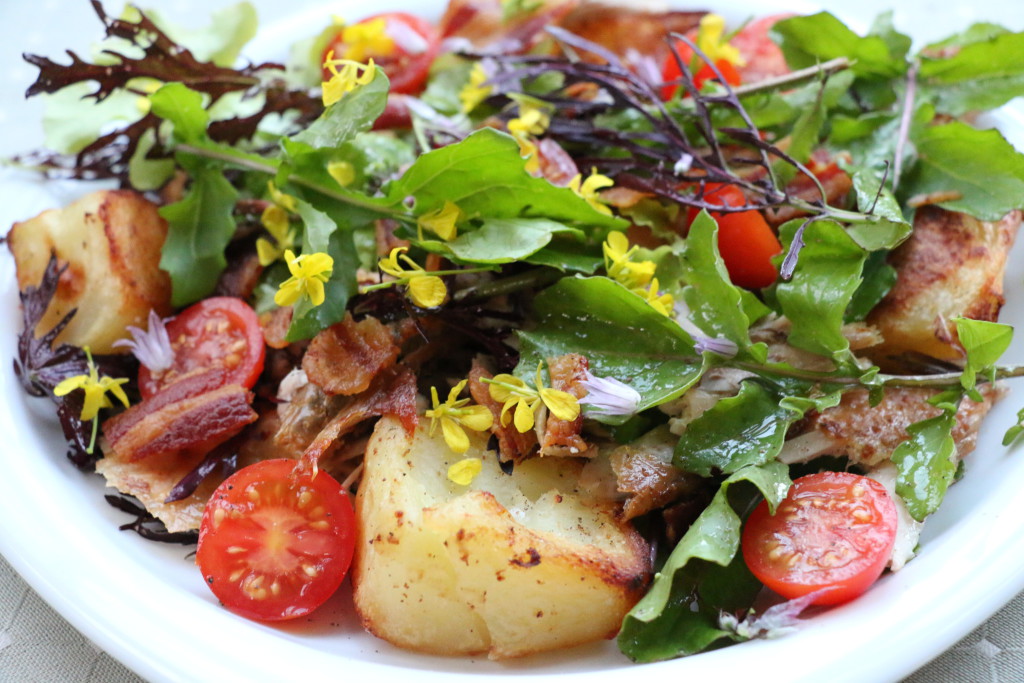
(795, 77)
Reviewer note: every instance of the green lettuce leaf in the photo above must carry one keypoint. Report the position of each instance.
(815, 300)
(808, 40)
(984, 342)
(199, 227)
(925, 464)
(980, 167)
(592, 317)
(985, 73)
(663, 624)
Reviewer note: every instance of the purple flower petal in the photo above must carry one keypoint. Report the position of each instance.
(608, 396)
(153, 346)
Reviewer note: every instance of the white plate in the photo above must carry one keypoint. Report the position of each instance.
(145, 603)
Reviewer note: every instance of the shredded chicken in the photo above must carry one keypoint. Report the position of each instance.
(644, 471)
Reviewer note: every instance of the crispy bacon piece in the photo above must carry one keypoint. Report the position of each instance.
(241, 276)
(275, 327)
(344, 358)
(393, 393)
(561, 437)
(191, 416)
(512, 445)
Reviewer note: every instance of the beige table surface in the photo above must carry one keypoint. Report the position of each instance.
(38, 645)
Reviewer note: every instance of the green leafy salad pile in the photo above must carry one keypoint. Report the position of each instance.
(546, 260)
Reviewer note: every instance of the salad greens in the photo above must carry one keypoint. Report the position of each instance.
(883, 110)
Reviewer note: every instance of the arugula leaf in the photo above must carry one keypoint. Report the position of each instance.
(663, 625)
(808, 40)
(886, 233)
(827, 274)
(747, 429)
(877, 279)
(1016, 430)
(504, 240)
(592, 316)
(978, 166)
(715, 303)
(183, 107)
(354, 113)
(983, 74)
(485, 176)
(199, 227)
(925, 464)
(984, 342)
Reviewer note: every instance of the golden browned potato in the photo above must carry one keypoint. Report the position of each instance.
(111, 241)
(509, 565)
(951, 266)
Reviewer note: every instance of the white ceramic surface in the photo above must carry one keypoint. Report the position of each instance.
(146, 605)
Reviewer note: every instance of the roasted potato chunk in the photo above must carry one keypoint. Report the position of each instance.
(111, 242)
(509, 566)
(951, 266)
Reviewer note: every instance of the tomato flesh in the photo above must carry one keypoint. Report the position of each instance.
(670, 71)
(219, 333)
(833, 532)
(745, 240)
(276, 542)
(406, 70)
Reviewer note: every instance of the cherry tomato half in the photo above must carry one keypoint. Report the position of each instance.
(835, 531)
(276, 542)
(745, 240)
(221, 332)
(416, 43)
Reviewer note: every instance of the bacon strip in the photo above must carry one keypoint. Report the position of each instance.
(344, 358)
(562, 438)
(189, 417)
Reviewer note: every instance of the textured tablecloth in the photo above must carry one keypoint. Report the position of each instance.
(38, 646)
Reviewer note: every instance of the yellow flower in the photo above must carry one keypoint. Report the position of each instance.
(95, 388)
(441, 221)
(516, 394)
(464, 471)
(662, 303)
(343, 172)
(454, 414)
(588, 189)
(309, 273)
(532, 120)
(352, 74)
(426, 291)
(275, 220)
(367, 39)
(528, 150)
(709, 40)
(620, 266)
(475, 92)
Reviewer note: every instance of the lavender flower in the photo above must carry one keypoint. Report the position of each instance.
(702, 342)
(608, 396)
(776, 621)
(153, 346)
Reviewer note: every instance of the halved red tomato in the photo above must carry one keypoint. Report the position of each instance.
(745, 240)
(833, 532)
(416, 43)
(276, 541)
(219, 333)
(670, 71)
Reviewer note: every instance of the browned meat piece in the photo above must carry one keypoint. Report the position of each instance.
(275, 327)
(344, 358)
(512, 445)
(241, 276)
(644, 470)
(835, 181)
(562, 438)
(952, 265)
(190, 417)
(868, 435)
(482, 22)
(393, 393)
